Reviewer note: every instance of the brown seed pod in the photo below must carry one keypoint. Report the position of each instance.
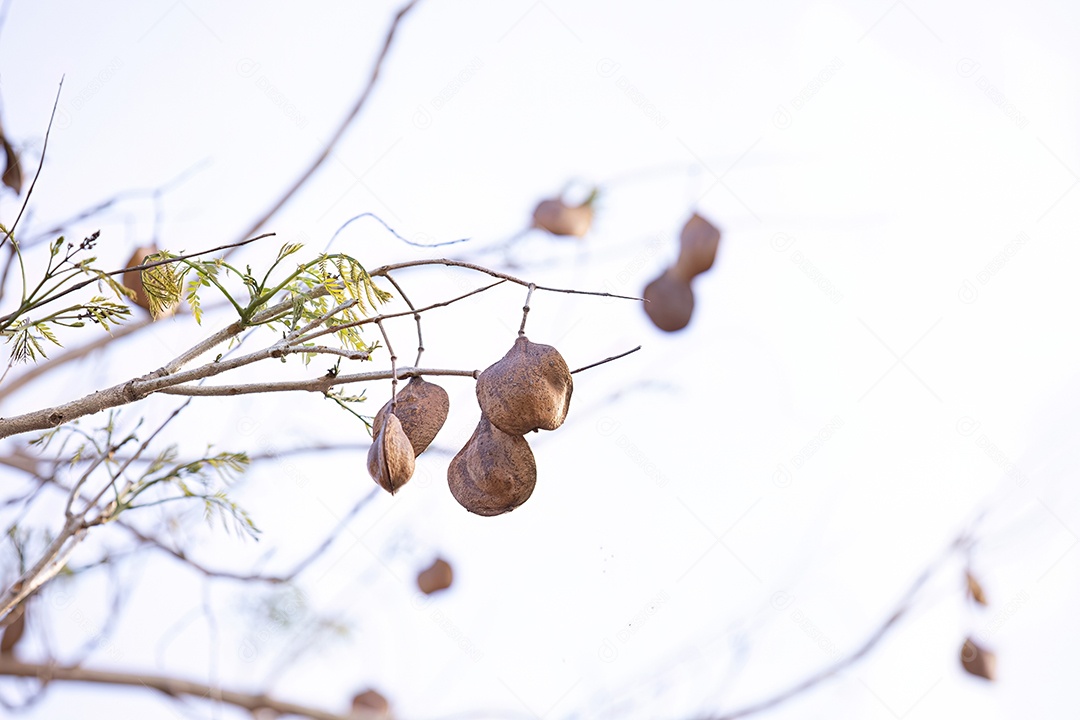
(133, 278)
(13, 633)
(435, 578)
(529, 388)
(390, 459)
(978, 661)
(974, 589)
(698, 243)
(493, 473)
(669, 302)
(370, 703)
(558, 218)
(422, 408)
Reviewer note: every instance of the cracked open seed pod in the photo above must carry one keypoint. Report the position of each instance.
(528, 389)
(422, 408)
(494, 472)
(670, 302)
(698, 243)
(390, 459)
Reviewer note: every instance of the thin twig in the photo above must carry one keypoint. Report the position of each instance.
(322, 548)
(342, 127)
(393, 372)
(606, 360)
(384, 269)
(525, 310)
(133, 268)
(321, 384)
(901, 609)
(330, 329)
(102, 517)
(41, 163)
(194, 565)
(104, 205)
(48, 672)
(392, 231)
(416, 316)
(50, 365)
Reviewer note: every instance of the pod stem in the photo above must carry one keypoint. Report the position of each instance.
(525, 310)
(393, 366)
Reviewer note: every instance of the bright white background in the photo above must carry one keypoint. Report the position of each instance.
(886, 345)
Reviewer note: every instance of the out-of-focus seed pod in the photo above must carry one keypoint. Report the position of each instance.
(438, 576)
(669, 302)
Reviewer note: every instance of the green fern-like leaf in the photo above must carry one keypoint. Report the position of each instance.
(163, 284)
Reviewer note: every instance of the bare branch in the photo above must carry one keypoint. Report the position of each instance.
(901, 609)
(168, 685)
(416, 316)
(55, 556)
(606, 360)
(342, 127)
(321, 384)
(392, 231)
(87, 213)
(384, 269)
(41, 163)
(48, 366)
(193, 564)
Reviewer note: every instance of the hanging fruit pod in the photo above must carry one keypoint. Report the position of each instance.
(422, 407)
(528, 389)
(698, 243)
(558, 218)
(438, 576)
(494, 473)
(669, 301)
(977, 660)
(391, 461)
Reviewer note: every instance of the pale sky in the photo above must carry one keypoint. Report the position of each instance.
(885, 345)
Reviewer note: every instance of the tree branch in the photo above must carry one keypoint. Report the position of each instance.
(342, 127)
(901, 609)
(48, 366)
(321, 384)
(384, 269)
(169, 685)
(171, 377)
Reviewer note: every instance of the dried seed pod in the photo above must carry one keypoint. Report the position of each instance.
(438, 576)
(558, 218)
(669, 302)
(494, 472)
(13, 633)
(528, 389)
(133, 278)
(975, 590)
(12, 176)
(370, 703)
(698, 243)
(390, 459)
(977, 660)
(422, 408)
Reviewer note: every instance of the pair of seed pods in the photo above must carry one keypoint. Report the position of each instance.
(528, 389)
(669, 299)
